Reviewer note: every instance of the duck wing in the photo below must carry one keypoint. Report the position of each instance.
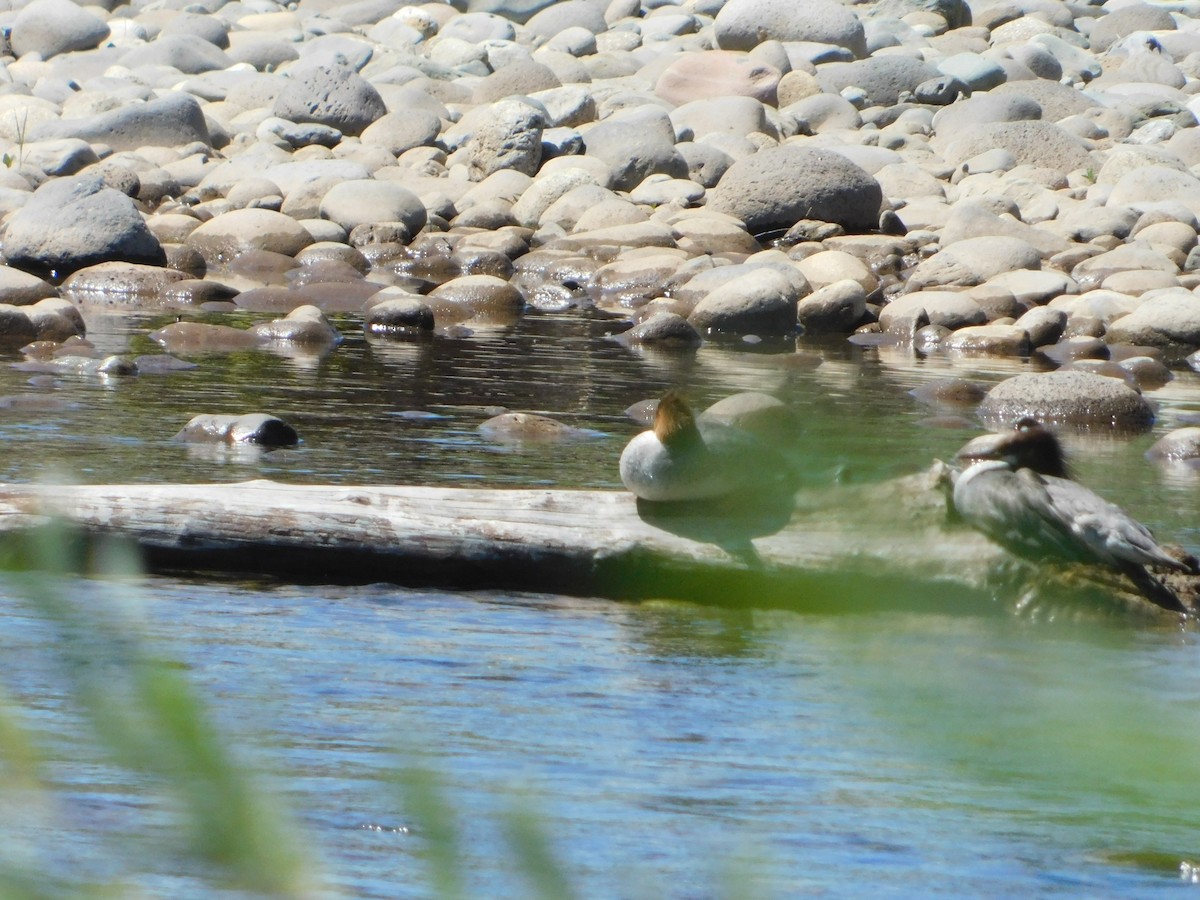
(1113, 535)
(1016, 510)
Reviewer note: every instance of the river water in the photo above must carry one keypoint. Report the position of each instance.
(662, 749)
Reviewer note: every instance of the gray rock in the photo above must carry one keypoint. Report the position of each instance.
(1039, 144)
(1044, 325)
(988, 340)
(55, 319)
(51, 27)
(834, 308)
(948, 309)
(399, 316)
(566, 14)
(305, 325)
(398, 133)
(188, 55)
(940, 91)
(507, 136)
(354, 203)
(516, 79)
(330, 95)
(706, 164)
(226, 236)
(19, 288)
(520, 11)
(70, 223)
(477, 27)
(635, 143)
(172, 120)
(1170, 320)
(974, 261)
(254, 428)
(744, 24)
(883, 78)
(120, 280)
(762, 302)
(663, 329)
(977, 72)
(1125, 21)
(194, 25)
(1078, 399)
(779, 186)
(957, 120)
(1182, 443)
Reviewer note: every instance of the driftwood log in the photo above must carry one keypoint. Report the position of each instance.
(852, 548)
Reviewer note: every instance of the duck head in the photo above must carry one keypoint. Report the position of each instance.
(674, 423)
(1028, 445)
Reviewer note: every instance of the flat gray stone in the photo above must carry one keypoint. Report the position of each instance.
(171, 120)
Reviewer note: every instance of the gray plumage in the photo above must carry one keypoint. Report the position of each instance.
(1015, 491)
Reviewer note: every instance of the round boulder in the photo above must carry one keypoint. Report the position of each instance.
(222, 238)
(779, 186)
(762, 301)
(1170, 320)
(362, 202)
(1078, 399)
(51, 27)
(330, 95)
(1180, 444)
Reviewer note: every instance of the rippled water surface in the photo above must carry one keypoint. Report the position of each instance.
(664, 749)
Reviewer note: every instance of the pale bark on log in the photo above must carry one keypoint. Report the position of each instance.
(880, 546)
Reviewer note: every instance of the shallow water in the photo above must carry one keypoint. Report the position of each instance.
(667, 750)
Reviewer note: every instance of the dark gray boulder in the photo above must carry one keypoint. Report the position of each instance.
(330, 95)
(777, 187)
(70, 223)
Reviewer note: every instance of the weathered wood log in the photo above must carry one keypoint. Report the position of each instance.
(886, 545)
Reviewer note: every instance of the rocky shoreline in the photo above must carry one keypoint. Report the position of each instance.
(1002, 177)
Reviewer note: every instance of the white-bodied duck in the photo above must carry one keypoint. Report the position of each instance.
(683, 458)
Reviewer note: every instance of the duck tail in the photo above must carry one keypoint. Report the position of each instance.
(1154, 590)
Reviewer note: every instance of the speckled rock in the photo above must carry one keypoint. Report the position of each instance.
(507, 136)
(779, 186)
(330, 95)
(1078, 399)
(1169, 320)
(1180, 444)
